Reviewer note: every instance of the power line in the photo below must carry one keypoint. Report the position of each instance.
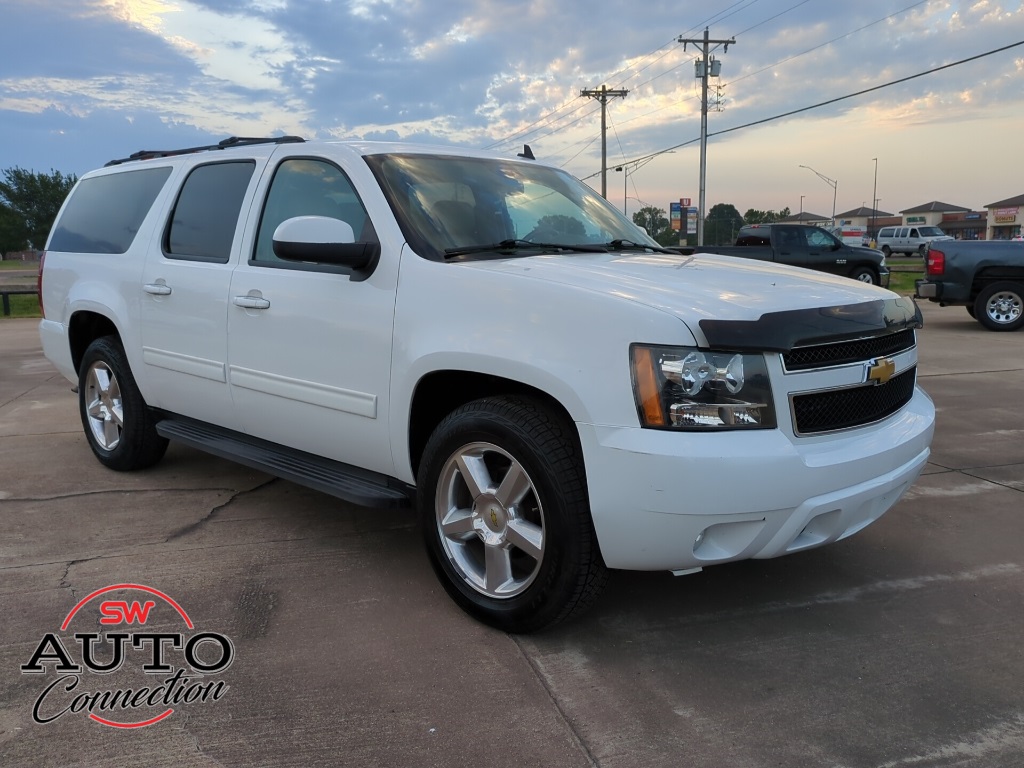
(873, 88)
(833, 101)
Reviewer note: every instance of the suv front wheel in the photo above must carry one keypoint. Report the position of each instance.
(505, 514)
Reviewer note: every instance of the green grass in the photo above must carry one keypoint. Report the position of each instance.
(15, 264)
(23, 306)
(902, 282)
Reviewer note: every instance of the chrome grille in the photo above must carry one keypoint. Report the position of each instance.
(845, 352)
(836, 409)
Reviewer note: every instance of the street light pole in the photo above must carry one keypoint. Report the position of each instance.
(832, 183)
(874, 202)
(802, 204)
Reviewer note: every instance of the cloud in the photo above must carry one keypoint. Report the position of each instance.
(118, 75)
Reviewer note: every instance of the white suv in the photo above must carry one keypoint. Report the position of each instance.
(486, 338)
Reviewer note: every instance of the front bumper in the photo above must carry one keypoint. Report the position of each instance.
(675, 501)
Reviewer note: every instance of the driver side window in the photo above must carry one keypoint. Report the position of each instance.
(307, 187)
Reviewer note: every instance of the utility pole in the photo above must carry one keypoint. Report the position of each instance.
(602, 94)
(704, 72)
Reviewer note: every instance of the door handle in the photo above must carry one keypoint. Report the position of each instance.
(157, 289)
(251, 302)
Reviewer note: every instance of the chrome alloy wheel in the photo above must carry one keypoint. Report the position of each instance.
(490, 520)
(1004, 307)
(103, 405)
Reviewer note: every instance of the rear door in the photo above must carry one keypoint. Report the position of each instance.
(789, 245)
(185, 286)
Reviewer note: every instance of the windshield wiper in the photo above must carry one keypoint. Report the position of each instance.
(629, 245)
(522, 245)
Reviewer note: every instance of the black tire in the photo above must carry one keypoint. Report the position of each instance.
(504, 477)
(865, 275)
(1000, 306)
(970, 310)
(887, 251)
(118, 424)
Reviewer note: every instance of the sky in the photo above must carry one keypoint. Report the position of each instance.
(86, 81)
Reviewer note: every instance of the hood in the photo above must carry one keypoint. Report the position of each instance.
(693, 288)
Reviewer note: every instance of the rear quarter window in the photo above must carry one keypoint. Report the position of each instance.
(104, 213)
(205, 216)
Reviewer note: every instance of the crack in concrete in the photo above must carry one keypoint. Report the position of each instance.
(63, 583)
(577, 737)
(108, 491)
(30, 390)
(181, 532)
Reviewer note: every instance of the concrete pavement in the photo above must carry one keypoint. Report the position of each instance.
(898, 647)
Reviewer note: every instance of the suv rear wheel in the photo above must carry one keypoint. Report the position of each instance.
(505, 514)
(118, 424)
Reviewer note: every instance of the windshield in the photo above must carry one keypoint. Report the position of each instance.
(448, 203)
(930, 232)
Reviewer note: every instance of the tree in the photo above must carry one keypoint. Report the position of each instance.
(753, 216)
(558, 225)
(722, 224)
(653, 220)
(13, 231)
(29, 203)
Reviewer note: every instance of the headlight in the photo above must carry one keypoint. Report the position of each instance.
(685, 388)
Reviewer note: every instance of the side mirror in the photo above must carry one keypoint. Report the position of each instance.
(323, 240)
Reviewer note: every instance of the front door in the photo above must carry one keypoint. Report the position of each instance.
(310, 348)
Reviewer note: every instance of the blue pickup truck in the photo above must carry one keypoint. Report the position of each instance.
(802, 245)
(986, 276)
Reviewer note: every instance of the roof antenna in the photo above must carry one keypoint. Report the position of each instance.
(527, 153)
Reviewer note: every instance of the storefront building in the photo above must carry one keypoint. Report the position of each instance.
(1005, 218)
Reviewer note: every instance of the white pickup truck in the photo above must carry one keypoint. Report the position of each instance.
(488, 339)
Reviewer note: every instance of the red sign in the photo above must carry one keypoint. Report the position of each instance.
(684, 201)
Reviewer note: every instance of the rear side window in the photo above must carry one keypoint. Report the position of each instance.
(105, 212)
(205, 215)
(753, 237)
(887, 232)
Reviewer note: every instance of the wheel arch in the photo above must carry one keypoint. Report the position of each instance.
(440, 392)
(994, 274)
(84, 327)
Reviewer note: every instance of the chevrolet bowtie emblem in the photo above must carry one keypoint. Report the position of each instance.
(880, 371)
(494, 517)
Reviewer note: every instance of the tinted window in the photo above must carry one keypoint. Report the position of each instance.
(105, 212)
(753, 237)
(887, 232)
(203, 223)
(304, 187)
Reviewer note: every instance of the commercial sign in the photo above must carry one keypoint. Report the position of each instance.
(675, 216)
(1005, 215)
(915, 219)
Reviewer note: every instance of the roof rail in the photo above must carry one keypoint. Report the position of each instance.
(229, 143)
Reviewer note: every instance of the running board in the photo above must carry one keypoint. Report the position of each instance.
(359, 486)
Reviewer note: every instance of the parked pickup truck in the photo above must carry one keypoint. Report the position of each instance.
(802, 245)
(486, 338)
(986, 276)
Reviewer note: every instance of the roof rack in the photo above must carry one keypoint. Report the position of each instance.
(229, 143)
